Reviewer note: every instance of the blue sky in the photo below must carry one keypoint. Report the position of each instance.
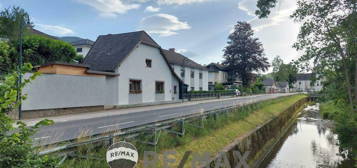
(196, 28)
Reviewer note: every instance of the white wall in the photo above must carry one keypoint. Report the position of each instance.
(52, 91)
(134, 67)
(193, 82)
(85, 49)
(217, 77)
(305, 85)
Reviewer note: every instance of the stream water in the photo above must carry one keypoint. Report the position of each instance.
(309, 144)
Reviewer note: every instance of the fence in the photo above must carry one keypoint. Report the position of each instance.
(207, 94)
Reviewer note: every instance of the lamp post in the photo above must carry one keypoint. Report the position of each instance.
(19, 66)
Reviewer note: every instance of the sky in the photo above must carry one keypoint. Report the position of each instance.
(196, 28)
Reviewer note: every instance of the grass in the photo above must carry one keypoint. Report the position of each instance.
(217, 133)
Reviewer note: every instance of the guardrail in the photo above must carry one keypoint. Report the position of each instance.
(197, 95)
(130, 133)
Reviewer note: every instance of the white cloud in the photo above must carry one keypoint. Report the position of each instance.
(54, 29)
(163, 24)
(109, 8)
(152, 9)
(278, 32)
(179, 2)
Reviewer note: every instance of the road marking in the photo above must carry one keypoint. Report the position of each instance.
(165, 115)
(45, 137)
(116, 124)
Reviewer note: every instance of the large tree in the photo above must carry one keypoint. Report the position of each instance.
(284, 72)
(328, 37)
(244, 54)
(10, 23)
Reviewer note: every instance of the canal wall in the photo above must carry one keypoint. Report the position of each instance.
(259, 142)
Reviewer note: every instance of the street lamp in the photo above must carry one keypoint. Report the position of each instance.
(20, 62)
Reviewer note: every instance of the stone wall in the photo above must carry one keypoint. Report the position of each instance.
(260, 141)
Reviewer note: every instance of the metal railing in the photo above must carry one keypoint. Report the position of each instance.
(207, 94)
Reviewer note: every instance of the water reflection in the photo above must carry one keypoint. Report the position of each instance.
(310, 144)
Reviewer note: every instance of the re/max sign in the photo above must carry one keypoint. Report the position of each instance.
(194, 160)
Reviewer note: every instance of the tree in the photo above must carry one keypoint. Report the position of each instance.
(10, 21)
(327, 36)
(244, 53)
(284, 72)
(276, 63)
(264, 7)
(37, 49)
(16, 149)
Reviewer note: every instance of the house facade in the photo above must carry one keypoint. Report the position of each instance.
(119, 70)
(144, 73)
(82, 46)
(216, 74)
(194, 75)
(306, 82)
(269, 85)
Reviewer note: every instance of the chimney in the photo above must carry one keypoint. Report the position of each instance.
(172, 49)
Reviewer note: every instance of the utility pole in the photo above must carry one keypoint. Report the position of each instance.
(19, 67)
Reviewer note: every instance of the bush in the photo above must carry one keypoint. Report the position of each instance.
(16, 148)
(218, 86)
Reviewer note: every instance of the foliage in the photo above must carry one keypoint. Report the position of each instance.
(218, 131)
(244, 53)
(78, 58)
(5, 61)
(16, 148)
(10, 21)
(37, 49)
(328, 38)
(346, 124)
(264, 7)
(284, 72)
(218, 86)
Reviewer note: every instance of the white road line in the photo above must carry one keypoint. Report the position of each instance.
(45, 137)
(116, 124)
(165, 115)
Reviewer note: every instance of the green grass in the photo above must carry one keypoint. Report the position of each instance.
(218, 132)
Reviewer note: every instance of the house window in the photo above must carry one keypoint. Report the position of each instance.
(200, 75)
(201, 89)
(175, 89)
(135, 86)
(159, 87)
(192, 88)
(182, 73)
(79, 49)
(148, 63)
(192, 74)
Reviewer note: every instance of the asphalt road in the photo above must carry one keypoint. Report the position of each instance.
(70, 130)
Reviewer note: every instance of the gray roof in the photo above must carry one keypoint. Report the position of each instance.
(304, 76)
(215, 67)
(110, 50)
(268, 82)
(83, 42)
(282, 84)
(178, 59)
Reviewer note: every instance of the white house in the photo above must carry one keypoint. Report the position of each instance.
(194, 75)
(144, 73)
(306, 82)
(82, 46)
(269, 85)
(216, 74)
